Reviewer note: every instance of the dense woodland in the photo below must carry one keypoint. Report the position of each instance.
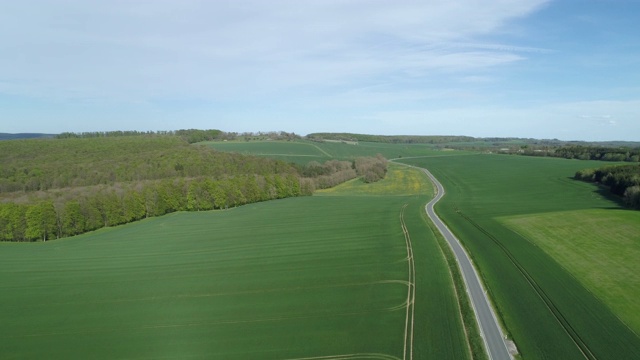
(581, 152)
(62, 187)
(622, 180)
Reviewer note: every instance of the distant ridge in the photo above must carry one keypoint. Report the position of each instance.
(7, 136)
(462, 140)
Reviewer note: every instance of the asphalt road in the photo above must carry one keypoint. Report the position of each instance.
(489, 328)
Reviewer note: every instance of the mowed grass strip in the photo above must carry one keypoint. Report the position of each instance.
(303, 277)
(600, 247)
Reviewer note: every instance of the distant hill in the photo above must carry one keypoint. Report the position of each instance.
(7, 136)
(465, 141)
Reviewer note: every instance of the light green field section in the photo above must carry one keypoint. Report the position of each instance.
(600, 247)
(400, 180)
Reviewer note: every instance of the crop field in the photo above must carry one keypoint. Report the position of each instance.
(603, 252)
(304, 151)
(322, 277)
(291, 151)
(549, 311)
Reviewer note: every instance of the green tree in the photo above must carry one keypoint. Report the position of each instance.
(91, 214)
(72, 219)
(632, 197)
(41, 221)
(218, 195)
(133, 206)
(12, 222)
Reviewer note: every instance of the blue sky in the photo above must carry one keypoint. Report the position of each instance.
(566, 69)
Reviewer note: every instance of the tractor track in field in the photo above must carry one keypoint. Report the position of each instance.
(351, 356)
(411, 291)
(562, 320)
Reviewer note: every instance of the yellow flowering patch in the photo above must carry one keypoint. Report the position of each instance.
(400, 180)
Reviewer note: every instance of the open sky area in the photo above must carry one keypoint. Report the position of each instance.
(565, 69)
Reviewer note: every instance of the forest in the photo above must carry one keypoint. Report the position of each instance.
(622, 180)
(581, 152)
(73, 184)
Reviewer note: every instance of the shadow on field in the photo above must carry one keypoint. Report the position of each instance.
(603, 191)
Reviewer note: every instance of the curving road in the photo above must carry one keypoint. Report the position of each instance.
(489, 328)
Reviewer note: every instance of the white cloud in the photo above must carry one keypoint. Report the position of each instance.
(221, 50)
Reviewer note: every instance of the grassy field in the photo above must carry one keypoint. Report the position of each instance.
(315, 277)
(303, 151)
(352, 272)
(547, 311)
(603, 252)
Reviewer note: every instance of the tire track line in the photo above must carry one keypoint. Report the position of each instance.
(411, 291)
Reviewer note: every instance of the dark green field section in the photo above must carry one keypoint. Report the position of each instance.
(288, 279)
(304, 151)
(546, 310)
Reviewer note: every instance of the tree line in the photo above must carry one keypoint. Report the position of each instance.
(190, 135)
(581, 152)
(58, 215)
(622, 180)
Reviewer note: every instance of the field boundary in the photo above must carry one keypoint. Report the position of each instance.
(564, 323)
(494, 339)
(465, 310)
(321, 150)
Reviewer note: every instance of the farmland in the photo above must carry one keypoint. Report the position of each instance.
(303, 151)
(295, 278)
(331, 275)
(546, 309)
(602, 253)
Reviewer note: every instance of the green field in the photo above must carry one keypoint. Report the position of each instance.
(602, 252)
(330, 276)
(304, 151)
(292, 151)
(313, 277)
(547, 310)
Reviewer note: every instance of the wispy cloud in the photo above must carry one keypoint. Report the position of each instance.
(124, 50)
